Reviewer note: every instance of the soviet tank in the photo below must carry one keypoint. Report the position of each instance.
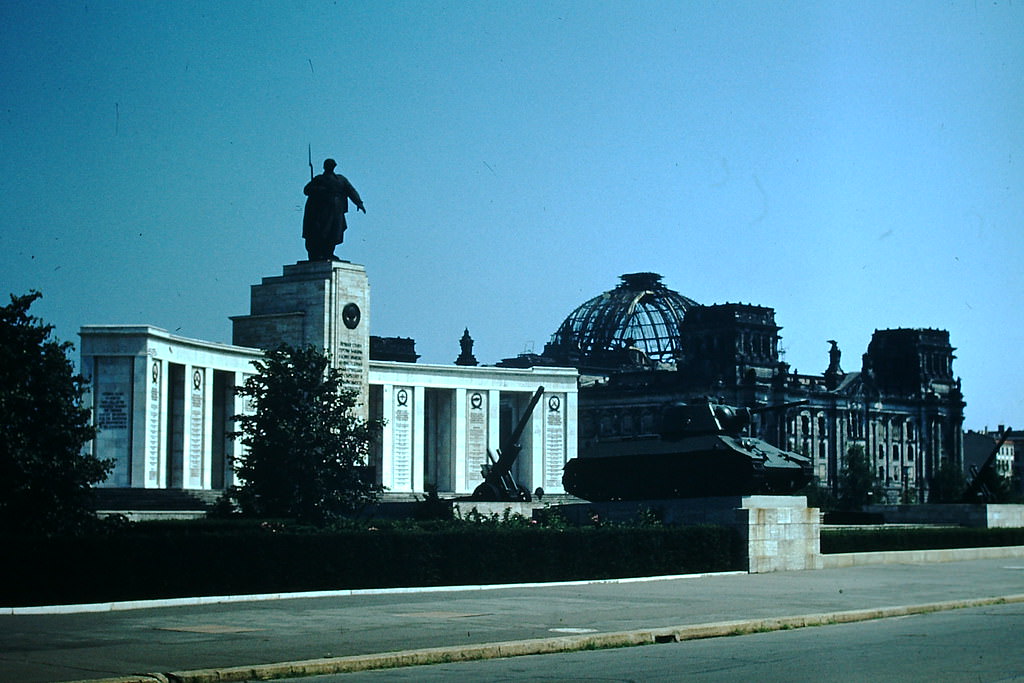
(700, 451)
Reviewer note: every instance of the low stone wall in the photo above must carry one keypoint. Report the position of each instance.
(838, 560)
(980, 516)
(781, 532)
(1004, 516)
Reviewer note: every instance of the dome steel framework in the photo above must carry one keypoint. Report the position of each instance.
(640, 312)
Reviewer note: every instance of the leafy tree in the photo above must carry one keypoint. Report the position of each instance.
(45, 478)
(305, 447)
(948, 483)
(857, 480)
(818, 496)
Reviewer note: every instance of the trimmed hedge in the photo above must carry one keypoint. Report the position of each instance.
(869, 540)
(183, 560)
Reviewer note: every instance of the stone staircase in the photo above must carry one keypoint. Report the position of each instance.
(130, 500)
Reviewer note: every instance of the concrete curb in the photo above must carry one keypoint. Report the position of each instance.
(83, 608)
(444, 655)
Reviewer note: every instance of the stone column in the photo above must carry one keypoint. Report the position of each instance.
(209, 397)
(418, 455)
(460, 462)
(141, 416)
(235, 449)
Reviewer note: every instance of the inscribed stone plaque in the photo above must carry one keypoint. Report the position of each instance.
(153, 426)
(476, 436)
(349, 360)
(112, 393)
(554, 439)
(197, 432)
(401, 438)
(112, 411)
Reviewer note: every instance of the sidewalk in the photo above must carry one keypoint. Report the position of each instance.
(305, 636)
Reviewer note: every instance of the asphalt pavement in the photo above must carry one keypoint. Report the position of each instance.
(261, 639)
(980, 644)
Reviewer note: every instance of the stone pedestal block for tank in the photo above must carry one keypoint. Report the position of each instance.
(325, 304)
(782, 533)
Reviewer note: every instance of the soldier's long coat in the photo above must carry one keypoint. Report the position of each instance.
(326, 206)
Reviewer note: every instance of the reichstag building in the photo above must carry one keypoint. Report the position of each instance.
(641, 345)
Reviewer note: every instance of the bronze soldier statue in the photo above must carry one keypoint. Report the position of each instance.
(323, 224)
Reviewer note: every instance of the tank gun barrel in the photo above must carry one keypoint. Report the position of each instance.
(778, 407)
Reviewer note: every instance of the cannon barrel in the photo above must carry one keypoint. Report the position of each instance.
(978, 489)
(498, 484)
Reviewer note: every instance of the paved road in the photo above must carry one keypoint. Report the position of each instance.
(58, 647)
(981, 644)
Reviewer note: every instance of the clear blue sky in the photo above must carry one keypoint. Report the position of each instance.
(854, 165)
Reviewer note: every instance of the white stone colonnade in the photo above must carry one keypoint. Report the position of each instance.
(164, 405)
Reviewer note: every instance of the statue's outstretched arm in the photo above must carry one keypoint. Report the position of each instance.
(354, 196)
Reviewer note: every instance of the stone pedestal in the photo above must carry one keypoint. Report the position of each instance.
(782, 533)
(325, 304)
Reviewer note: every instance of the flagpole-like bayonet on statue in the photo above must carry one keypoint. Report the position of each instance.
(309, 151)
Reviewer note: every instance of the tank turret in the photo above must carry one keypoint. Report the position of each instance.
(680, 420)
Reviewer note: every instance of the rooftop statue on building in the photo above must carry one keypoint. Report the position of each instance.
(323, 223)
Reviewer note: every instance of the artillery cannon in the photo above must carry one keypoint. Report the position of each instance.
(499, 485)
(985, 485)
(700, 451)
